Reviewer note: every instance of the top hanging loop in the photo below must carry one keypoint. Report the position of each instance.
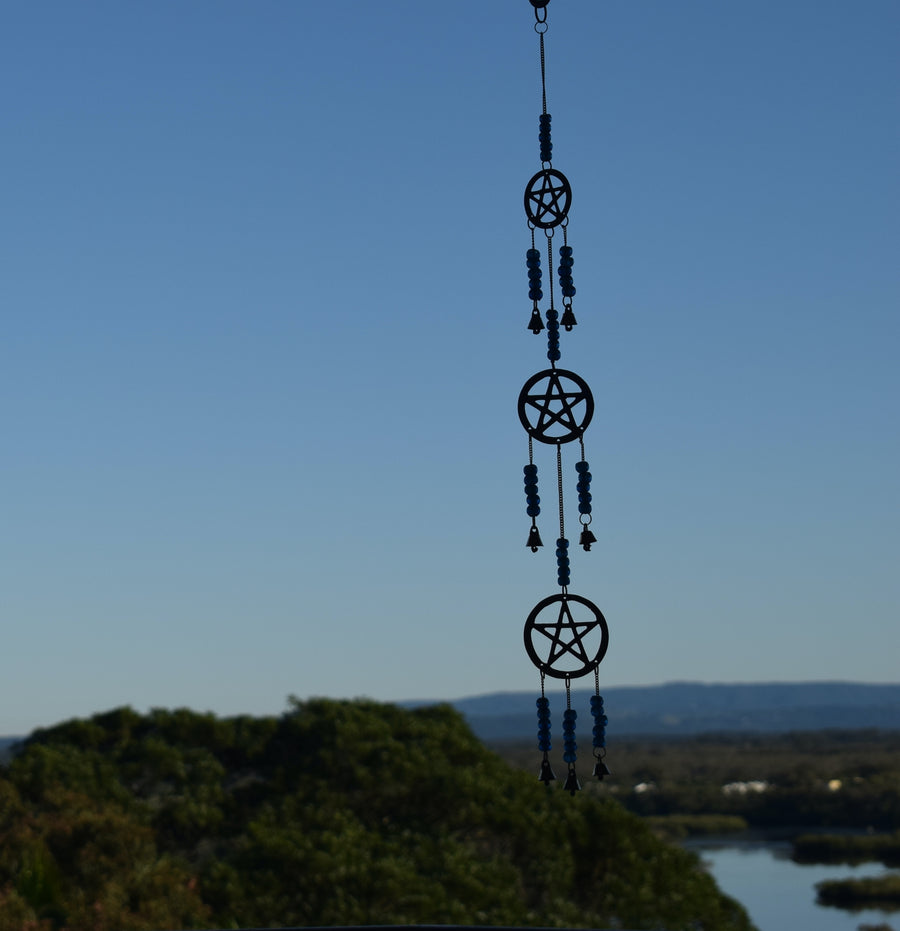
(540, 10)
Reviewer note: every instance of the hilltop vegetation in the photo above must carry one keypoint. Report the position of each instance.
(333, 813)
(846, 779)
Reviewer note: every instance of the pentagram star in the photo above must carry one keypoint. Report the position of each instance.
(566, 624)
(556, 406)
(569, 638)
(563, 402)
(547, 198)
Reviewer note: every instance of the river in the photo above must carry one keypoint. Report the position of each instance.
(779, 894)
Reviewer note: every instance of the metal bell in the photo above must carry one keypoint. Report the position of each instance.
(536, 324)
(534, 539)
(568, 319)
(587, 538)
(601, 769)
(572, 784)
(547, 775)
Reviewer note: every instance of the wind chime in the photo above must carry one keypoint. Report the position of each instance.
(566, 635)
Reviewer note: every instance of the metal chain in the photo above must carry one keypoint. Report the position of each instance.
(549, 235)
(543, 69)
(559, 483)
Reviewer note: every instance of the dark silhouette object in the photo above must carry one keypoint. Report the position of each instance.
(555, 406)
(577, 645)
(548, 197)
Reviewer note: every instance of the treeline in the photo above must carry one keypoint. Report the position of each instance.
(333, 813)
(818, 779)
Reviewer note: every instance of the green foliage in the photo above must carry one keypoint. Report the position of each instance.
(334, 813)
(823, 778)
(871, 892)
(677, 827)
(843, 848)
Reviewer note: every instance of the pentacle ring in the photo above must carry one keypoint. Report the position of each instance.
(548, 197)
(555, 406)
(566, 636)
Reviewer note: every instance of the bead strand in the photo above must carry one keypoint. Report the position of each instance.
(544, 138)
(565, 284)
(532, 498)
(565, 271)
(533, 263)
(569, 745)
(562, 561)
(600, 721)
(553, 353)
(543, 716)
(584, 487)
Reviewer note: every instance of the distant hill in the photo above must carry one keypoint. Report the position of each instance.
(680, 708)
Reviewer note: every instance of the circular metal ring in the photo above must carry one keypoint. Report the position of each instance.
(548, 196)
(573, 641)
(555, 406)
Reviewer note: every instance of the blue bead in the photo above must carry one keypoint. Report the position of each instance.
(570, 714)
(543, 701)
(533, 510)
(554, 355)
(581, 466)
(530, 469)
(568, 291)
(584, 508)
(585, 496)
(535, 294)
(565, 250)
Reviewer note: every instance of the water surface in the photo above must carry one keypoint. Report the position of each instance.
(779, 894)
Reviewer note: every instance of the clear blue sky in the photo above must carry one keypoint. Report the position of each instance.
(263, 330)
